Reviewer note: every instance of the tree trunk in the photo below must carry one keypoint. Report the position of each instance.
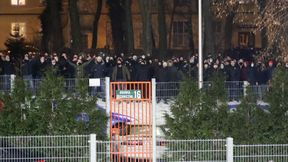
(190, 34)
(175, 4)
(44, 18)
(209, 37)
(76, 42)
(56, 33)
(228, 30)
(146, 23)
(116, 14)
(264, 39)
(52, 39)
(95, 24)
(162, 28)
(129, 34)
(153, 38)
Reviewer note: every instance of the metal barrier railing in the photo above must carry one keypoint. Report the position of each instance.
(85, 148)
(234, 90)
(167, 150)
(164, 90)
(33, 85)
(45, 148)
(263, 153)
(192, 150)
(5, 83)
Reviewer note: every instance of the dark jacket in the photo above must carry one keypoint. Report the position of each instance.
(8, 68)
(26, 68)
(97, 70)
(125, 73)
(162, 75)
(234, 73)
(142, 73)
(173, 74)
(261, 76)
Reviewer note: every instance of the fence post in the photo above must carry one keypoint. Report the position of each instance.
(154, 142)
(229, 149)
(245, 85)
(107, 93)
(12, 82)
(92, 148)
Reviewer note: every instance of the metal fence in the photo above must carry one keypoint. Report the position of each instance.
(234, 90)
(261, 153)
(164, 90)
(192, 150)
(85, 148)
(74, 148)
(167, 151)
(33, 85)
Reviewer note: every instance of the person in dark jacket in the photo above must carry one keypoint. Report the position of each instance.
(97, 70)
(26, 71)
(120, 72)
(162, 79)
(42, 66)
(251, 76)
(142, 71)
(261, 79)
(8, 67)
(270, 70)
(65, 69)
(234, 78)
(7, 70)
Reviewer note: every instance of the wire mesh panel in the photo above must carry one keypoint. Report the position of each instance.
(99, 91)
(261, 153)
(130, 121)
(191, 150)
(70, 85)
(45, 148)
(5, 83)
(167, 90)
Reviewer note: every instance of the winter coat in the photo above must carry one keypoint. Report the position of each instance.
(234, 73)
(97, 70)
(162, 75)
(142, 73)
(125, 73)
(8, 68)
(26, 68)
(173, 74)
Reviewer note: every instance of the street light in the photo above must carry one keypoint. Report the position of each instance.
(200, 49)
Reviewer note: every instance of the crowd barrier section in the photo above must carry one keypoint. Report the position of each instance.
(86, 148)
(165, 91)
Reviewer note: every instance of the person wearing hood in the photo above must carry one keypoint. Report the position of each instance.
(120, 72)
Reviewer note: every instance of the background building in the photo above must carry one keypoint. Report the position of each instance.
(23, 16)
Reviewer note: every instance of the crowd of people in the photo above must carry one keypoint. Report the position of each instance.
(141, 68)
(256, 71)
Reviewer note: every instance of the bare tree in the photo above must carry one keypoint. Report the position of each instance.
(274, 18)
(209, 35)
(76, 42)
(128, 26)
(162, 28)
(52, 34)
(95, 24)
(145, 7)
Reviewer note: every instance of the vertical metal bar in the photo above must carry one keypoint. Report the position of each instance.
(229, 149)
(12, 81)
(200, 59)
(154, 142)
(92, 149)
